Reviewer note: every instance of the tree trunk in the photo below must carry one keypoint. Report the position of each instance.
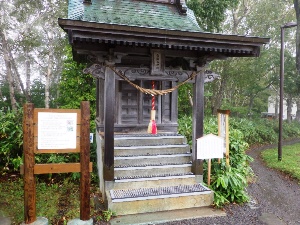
(289, 104)
(8, 71)
(298, 110)
(28, 71)
(48, 79)
(276, 107)
(16, 77)
(218, 98)
(297, 9)
(251, 102)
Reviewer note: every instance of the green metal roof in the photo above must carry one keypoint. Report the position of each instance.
(134, 13)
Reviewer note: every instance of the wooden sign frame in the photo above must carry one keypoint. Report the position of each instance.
(30, 169)
(223, 125)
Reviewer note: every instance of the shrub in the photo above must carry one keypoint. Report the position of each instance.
(11, 139)
(228, 182)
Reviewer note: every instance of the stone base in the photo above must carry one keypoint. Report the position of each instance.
(161, 204)
(80, 222)
(39, 221)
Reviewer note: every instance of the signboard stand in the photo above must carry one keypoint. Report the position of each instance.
(209, 147)
(223, 131)
(56, 131)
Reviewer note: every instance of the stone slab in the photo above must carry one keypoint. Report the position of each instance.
(201, 199)
(39, 221)
(167, 216)
(80, 222)
(5, 221)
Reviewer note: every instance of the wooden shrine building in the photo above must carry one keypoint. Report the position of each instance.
(128, 44)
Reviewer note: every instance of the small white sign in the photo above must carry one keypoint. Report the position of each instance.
(91, 137)
(210, 146)
(57, 130)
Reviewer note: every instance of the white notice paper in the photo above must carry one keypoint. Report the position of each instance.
(210, 146)
(57, 130)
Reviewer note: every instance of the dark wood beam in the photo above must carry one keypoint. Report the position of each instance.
(198, 120)
(109, 113)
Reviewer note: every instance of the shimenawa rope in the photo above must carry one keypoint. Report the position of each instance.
(152, 91)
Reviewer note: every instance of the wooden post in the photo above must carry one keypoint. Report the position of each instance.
(85, 161)
(219, 130)
(109, 120)
(227, 138)
(29, 179)
(208, 171)
(198, 117)
(225, 129)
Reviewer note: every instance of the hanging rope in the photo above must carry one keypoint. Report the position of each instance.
(152, 91)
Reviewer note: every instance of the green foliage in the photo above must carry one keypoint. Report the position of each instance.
(11, 139)
(290, 160)
(107, 214)
(183, 100)
(75, 87)
(229, 183)
(185, 127)
(210, 14)
(5, 102)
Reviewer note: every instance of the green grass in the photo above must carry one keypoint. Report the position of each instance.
(290, 163)
(57, 202)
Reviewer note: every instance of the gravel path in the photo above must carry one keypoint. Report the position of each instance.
(275, 199)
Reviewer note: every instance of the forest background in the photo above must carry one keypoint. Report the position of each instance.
(36, 66)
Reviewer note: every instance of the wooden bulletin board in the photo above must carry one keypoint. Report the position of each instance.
(56, 131)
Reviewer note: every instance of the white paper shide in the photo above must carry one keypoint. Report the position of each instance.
(57, 130)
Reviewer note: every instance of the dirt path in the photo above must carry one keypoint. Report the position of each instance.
(275, 193)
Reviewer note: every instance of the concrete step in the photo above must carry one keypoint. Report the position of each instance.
(153, 170)
(148, 140)
(142, 182)
(127, 161)
(151, 150)
(158, 199)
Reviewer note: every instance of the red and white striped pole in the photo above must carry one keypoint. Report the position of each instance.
(152, 129)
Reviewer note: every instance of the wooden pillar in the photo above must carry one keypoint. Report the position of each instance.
(29, 178)
(109, 114)
(85, 179)
(198, 120)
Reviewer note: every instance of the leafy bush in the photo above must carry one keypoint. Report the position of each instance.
(228, 182)
(11, 139)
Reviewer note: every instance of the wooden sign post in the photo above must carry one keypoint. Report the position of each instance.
(223, 131)
(56, 131)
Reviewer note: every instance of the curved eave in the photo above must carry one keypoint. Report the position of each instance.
(110, 34)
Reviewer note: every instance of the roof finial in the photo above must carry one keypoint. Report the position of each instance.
(87, 2)
(181, 6)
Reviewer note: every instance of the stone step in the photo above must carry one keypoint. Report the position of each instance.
(151, 150)
(148, 140)
(159, 198)
(160, 180)
(128, 161)
(153, 170)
